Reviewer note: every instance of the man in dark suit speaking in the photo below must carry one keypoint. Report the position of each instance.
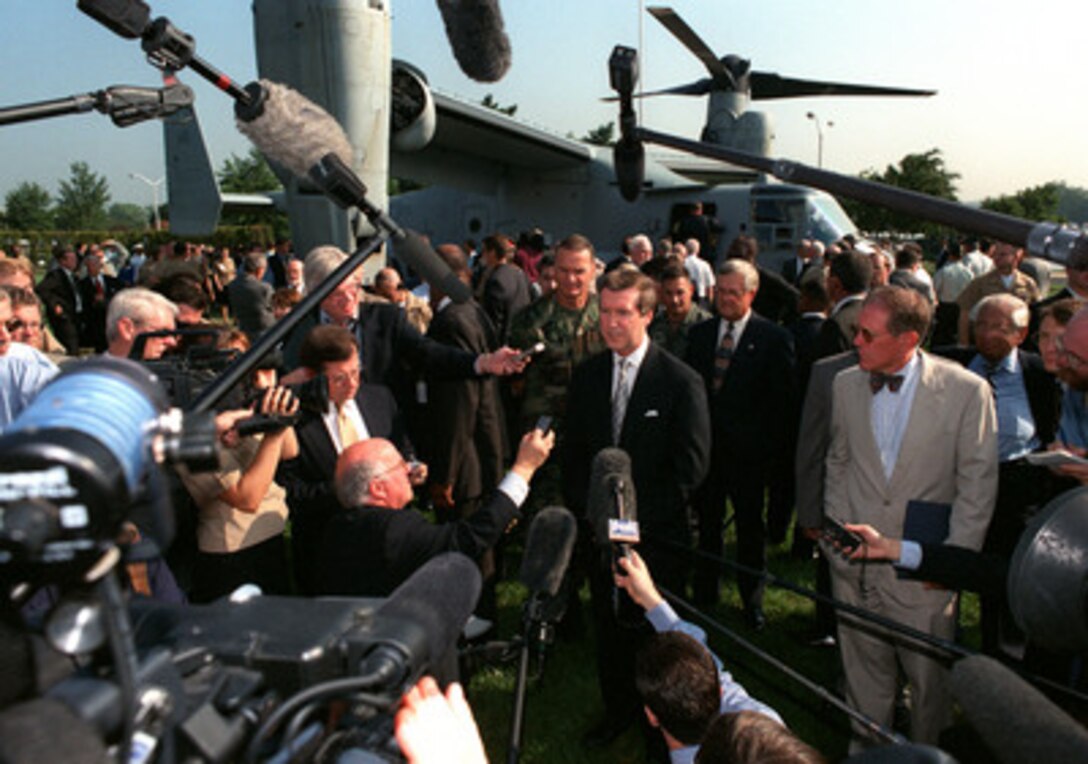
(372, 548)
(642, 399)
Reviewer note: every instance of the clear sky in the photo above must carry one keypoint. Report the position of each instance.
(1008, 113)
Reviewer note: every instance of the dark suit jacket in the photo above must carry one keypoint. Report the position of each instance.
(465, 442)
(56, 290)
(251, 304)
(369, 551)
(278, 270)
(308, 478)
(1042, 389)
(505, 293)
(388, 347)
(752, 412)
(93, 332)
(666, 432)
(837, 333)
(814, 437)
(806, 335)
(776, 299)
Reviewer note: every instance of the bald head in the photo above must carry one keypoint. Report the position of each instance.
(370, 472)
(388, 284)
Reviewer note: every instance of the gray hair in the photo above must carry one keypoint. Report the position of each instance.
(745, 269)
(353, 485)
(138, 305)
(254, 262)
(319, 263)
(1011, 306)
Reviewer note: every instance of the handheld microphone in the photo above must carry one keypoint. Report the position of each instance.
(612, 504)
(1017, 721)
(420, 622)
(476, 35)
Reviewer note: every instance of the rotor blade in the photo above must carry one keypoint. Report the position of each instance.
(766, 86)
(697, 88)
(685, 34)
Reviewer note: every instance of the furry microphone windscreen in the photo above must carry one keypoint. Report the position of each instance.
(476, 35)
(292, 130)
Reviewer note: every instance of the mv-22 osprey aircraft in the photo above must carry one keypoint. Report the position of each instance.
(485, 171)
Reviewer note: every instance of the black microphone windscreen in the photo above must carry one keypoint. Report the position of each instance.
(629, 158)
(415, 252)
(439, 597)
(46, 730)
(610, 468)
(476, 35)
(547, 550)
(292, 130)
(1017, 721)
(128, 18)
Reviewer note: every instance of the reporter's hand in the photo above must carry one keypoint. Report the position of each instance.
(637, 582)
(502, 362)
(873, 545)
(533, 452)
(279, 401)
(432, 728)
(417, 472)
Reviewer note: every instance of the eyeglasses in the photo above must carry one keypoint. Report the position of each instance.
(400, 464)
(1073, 360)
(343, 377)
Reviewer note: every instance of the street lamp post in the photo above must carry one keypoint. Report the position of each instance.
(154, 194)
(819, 137)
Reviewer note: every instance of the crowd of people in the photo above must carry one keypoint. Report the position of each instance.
(847, 384)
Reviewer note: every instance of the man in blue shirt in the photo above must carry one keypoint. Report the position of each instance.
(1025, 397)
(682, 684)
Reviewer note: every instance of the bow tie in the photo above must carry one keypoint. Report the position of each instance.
(878, 380)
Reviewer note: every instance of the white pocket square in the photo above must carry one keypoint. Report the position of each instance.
(651, 413)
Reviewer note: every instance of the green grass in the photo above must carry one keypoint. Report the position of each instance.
(565, 701)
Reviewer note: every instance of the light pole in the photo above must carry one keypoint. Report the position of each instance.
(154, 194)
(819, 137)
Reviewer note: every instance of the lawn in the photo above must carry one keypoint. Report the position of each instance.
(565, 701)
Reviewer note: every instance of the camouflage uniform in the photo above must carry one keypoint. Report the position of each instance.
(569, 337)
(675, 338)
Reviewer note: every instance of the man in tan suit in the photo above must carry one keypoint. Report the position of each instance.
(906, 427)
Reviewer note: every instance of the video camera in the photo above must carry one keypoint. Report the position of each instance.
(103, 679)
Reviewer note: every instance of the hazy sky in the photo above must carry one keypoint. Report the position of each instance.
(1007, 114)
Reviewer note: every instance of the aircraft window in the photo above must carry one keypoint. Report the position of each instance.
(474, 225)
(826, 219)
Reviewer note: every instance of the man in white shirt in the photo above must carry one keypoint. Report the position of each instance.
(23, 370)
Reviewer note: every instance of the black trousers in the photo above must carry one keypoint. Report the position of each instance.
(744, 484)
(265, 564)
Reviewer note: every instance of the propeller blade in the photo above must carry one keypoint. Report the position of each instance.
(697, 88)
(686, 35)
(766, 85)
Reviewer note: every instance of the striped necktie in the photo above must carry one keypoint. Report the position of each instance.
(619, 399)
(723, 356)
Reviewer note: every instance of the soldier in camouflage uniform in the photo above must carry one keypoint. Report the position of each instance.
(678, 313)
(568, 323)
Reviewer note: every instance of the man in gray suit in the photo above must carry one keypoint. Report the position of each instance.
(913, 436)
(251, 297)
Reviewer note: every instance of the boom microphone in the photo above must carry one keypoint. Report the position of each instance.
(1017, 721)
(476, 35)
(127, 18)
(414, 250)
(289, 128)
(629, 159)
(547, 550)
(424, 616)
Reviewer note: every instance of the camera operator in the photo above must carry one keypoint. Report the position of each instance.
(242, 511)
(133, 312)
(23, 370)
